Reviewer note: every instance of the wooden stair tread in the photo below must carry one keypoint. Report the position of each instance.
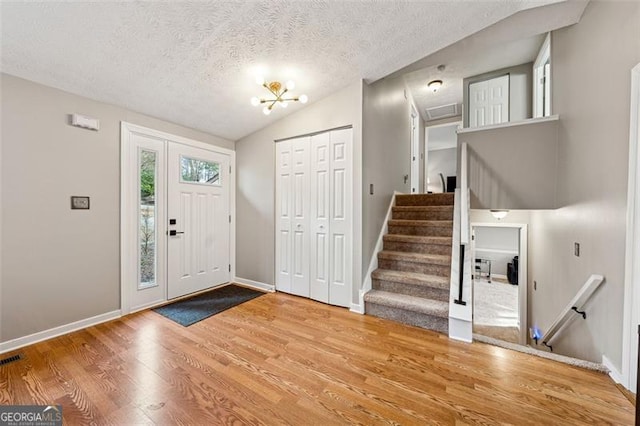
(413, 278)
(409, 303)
(417, 239)
(410, 222)
(422, 208)
(404, 256)
(442, 199)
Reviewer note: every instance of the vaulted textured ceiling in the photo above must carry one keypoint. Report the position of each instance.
(195, 62)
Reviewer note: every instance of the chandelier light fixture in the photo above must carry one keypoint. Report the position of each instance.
(278, 92)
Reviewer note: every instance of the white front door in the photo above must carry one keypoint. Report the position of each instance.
(489, 102)
(198, 219)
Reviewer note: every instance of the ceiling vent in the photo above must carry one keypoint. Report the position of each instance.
(443, 111)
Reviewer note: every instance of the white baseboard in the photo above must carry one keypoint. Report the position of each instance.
(358, 308)
(255, 284)
(57, 331)
(460, 330)
(614, 373)
(373, 262)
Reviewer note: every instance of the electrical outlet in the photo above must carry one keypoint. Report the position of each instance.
(576, 249)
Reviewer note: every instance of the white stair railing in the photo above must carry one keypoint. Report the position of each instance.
(461, 303)
(574, 307)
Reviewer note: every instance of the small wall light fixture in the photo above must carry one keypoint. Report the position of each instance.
(434, 85)
(499, 214)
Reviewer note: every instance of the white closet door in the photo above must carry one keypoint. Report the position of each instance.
(292, 209)
(341, 220)
(301, 169)
(284, 158)
(489, 102)
(320, 205)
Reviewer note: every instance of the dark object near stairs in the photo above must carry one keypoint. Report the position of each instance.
(411, 284)
(512, 271)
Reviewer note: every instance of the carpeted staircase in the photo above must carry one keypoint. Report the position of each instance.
(411, 284)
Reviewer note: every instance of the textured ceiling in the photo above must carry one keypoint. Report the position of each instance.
(195, 62)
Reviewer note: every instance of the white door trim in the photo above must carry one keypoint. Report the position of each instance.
(128, 175)
(632, 257)
(544, 54)
(523, 283)
(415, 150)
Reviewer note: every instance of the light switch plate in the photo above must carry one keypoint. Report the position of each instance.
(79, 202)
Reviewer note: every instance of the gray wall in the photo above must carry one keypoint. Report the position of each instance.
(513, 167)
(592, 178)
(61, 265)
(497, 244)
(386, 154)
(520, 91)
(255, 157)
(441, 161)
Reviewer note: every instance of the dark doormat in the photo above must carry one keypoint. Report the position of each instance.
(190, 311)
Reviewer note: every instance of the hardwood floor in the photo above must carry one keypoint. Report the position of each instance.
(280, 359)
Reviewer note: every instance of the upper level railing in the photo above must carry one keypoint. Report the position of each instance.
(573, 307)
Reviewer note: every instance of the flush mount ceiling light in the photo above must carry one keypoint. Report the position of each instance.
(499, 214)
(434, 85)
(278, 91)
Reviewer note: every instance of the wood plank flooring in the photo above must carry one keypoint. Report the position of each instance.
(279, 359)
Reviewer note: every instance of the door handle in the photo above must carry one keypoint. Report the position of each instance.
(174, 232)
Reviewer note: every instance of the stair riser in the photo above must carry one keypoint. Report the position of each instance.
(425, 200)
(417, 247)
(434, 215)
(430, 231)
(411, 290)
(421, 320)
(423, 268)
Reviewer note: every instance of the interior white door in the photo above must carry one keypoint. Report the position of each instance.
(300, 219)
(292, 205)
(341, 221)
(320, 205)
(284, 158)
(198, 211)
(313, 217)
(489, 102)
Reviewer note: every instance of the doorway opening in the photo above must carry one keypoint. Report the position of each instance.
(441, 146)
(499, 253)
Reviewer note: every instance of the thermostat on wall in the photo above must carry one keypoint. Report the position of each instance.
(85, 122)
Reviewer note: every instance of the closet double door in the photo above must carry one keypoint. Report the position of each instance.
(314, 255)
